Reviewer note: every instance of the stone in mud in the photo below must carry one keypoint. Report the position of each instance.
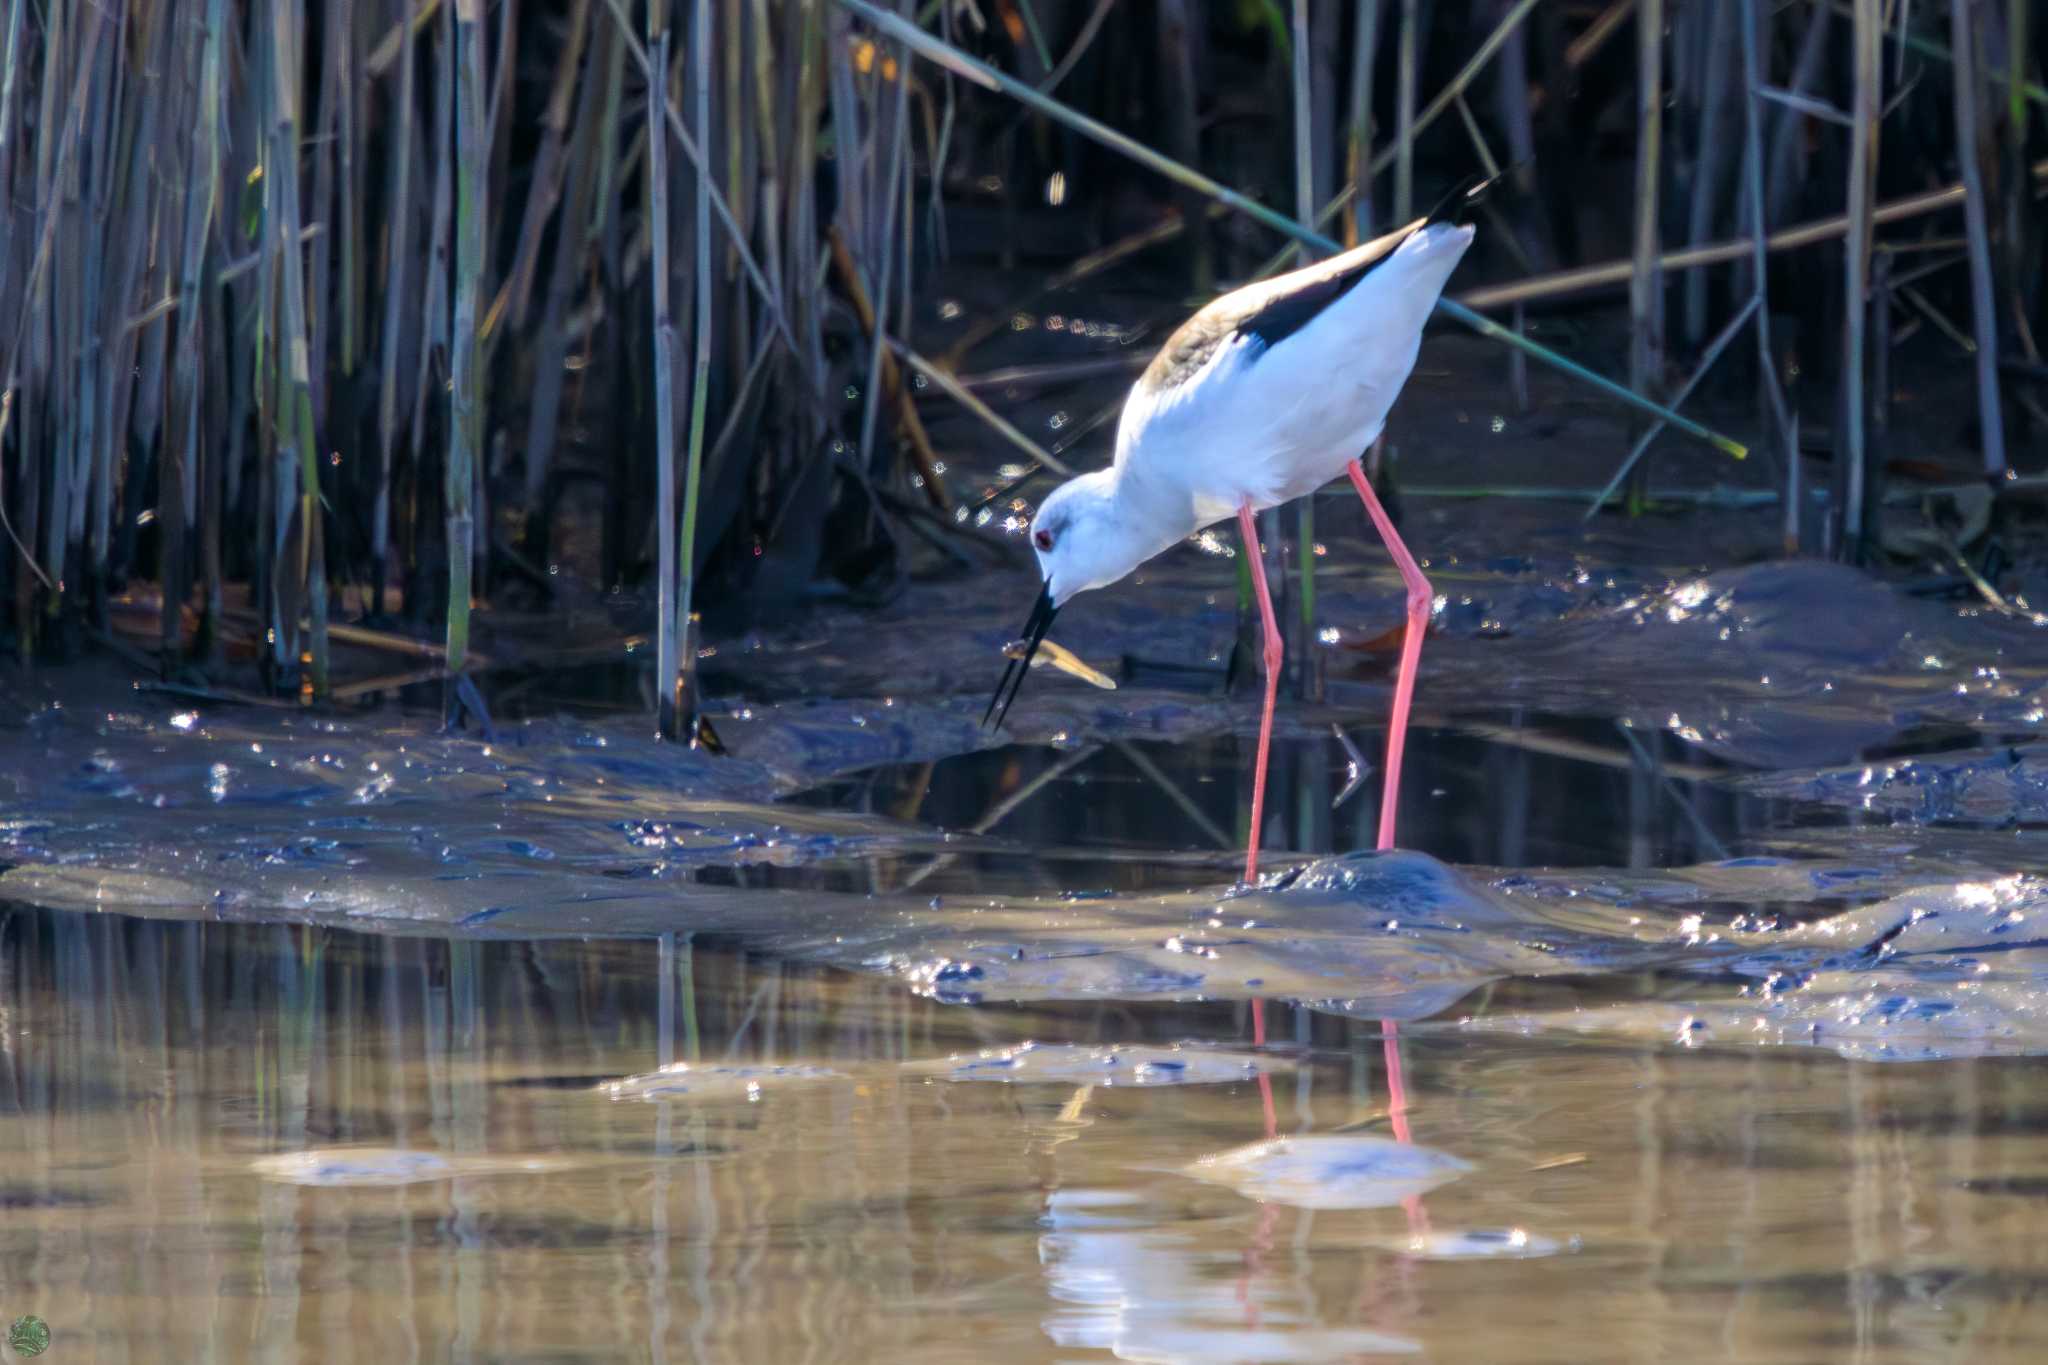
(1937, 973)
(2003, 786)
(1118, 1064)
(1479, 1244)
(387, 1166)
(685, 1081)
(1329, 1171)
(1394, 935)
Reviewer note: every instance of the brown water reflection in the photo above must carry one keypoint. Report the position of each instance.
(1699, 1204)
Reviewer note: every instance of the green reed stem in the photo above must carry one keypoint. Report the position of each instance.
(660, 235)
(397, 252)
(700, 379)
(1867, 47)
(1976, 216)
(298, 444)
(465, 444)
(1646, 276)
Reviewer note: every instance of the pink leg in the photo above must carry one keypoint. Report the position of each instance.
(1419, 596)
(1251, 858)
(1397, 1087)
(1250, 528)
(1397, 1112)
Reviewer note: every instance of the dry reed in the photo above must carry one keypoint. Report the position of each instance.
(255, 243)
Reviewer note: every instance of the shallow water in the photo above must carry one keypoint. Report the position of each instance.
(1705, 1021)
(477, 1193)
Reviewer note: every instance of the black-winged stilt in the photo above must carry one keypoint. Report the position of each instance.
(1262, 397)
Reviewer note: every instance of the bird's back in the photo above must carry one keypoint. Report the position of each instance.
(1267, 392)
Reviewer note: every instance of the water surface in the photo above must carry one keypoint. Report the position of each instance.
(1703, 1020)
(1624, 1200)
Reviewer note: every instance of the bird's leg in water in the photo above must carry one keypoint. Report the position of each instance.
(1419, 597)
(1249, 526)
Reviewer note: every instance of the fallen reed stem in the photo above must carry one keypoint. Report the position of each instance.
(915, 437)
(950, 386)
(1581, 279)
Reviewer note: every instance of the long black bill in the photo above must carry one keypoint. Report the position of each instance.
(1035, 627)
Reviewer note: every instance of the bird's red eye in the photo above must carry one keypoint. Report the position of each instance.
(1043, 539)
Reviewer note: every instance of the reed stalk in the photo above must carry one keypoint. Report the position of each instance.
(2018, 89)
(437, 343)
(465, 417)
(1728, 333)
(1447, 97)
(1759, 265)
(1176, 54)
(693, 149)
(915, 438)
(700, 376)
(899, 143)
(1715, 79)
(349, 152)
(301, 570)
(1880, 431)
(1976, 215)
(1358, 147)
(1788, 139)
(1646, 280)
(667, 672)
(12, 59)
(586, 161)
(550, 173)
(1403, 150)
(1867, 39)
(182, 434)
(397, 253)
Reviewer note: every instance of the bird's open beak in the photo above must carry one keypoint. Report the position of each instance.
(1035, 627)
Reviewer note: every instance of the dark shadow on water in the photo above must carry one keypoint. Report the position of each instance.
(1497, 790)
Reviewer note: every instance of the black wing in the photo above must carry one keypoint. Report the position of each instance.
(1268, 312)
(1274, 310)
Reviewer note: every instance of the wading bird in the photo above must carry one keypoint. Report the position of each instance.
(1262, 397)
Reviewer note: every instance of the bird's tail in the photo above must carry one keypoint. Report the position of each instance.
(1458, 205)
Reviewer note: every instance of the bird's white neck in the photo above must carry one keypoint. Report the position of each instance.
(1153, 515)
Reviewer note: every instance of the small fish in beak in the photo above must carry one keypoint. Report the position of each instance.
(1065, 660)
(1035, 627)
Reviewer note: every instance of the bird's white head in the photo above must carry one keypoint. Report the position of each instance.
(1082, 537)
(1087, 535)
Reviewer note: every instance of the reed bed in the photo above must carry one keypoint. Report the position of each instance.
(336, 324)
